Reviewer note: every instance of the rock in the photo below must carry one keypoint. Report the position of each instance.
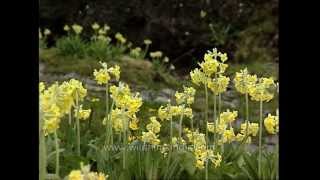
(161, 99)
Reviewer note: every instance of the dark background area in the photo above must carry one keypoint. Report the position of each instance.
(246, 29)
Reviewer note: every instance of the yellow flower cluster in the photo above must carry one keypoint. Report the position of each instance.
(77, 28)
(120, 38)
(272, 124)
(253, 128)
(218, 85)
(127, 105)
(228, 117)
(227, 135)
(154, 126)
(86, 174)
(244, 81)
(47, 32)
(168, 112)
(66, 28)
(186, 97)
(102, 76)
(200, 151)
(100, 32)
(261, 90)
(150, 137)
(82, 113)
(153, 129)
(57, 100)
(156, 54)
(209, 67)
(147, 42)
(135, 52)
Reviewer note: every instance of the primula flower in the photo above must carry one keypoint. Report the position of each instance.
(66, 28)
(95, 26)
(271, 124)
(47, 32)
(150, 137)
(244, 81)
(154, 126)
(228, 117)
(135, 52)
(102, 76)
(120, 38)
(253, 128)
(228, 136)
(261, 90)
(219, 85)
(77, 28)
(147, 41)
(82, 114)
(133, 124)
(156, 54)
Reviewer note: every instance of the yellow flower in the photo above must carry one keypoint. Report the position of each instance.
(271, 124)
(228, 136)
(95, 26)
(75, 175)
(147, 41)
(41, 86)
(77, 28)
(101, 76)
(199, 164)
(154, 126)
(253, 128)
(133, 125)
(219, 85)
(78, 90)
(156, 54)
(261, 90)
(163, 113)
(47, 32)
(120, 38)
(217, 160)
(244, 81)
(115, 71)
(118, 119)
(209, 66)
(228, 116)
(82, 114)
(135, 52)
(150, 137)
(131, 138)
(203, 14)
(66, 28)
(186, 97)
(197, 77)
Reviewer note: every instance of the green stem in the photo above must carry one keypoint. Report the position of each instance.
(146, 51)
(206, 170)
(215, 119)
(260, 141)
(180, 127)
(78, 125)
(124, 143)
(206, 113)
(57, 153)
(42, 153)
(206, 119)
(219, 112)
(247, 113)
(107, 99)
(70, 118)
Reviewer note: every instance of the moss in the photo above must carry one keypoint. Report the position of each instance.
(138, 73)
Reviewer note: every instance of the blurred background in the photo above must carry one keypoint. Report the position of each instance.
(247, 30)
